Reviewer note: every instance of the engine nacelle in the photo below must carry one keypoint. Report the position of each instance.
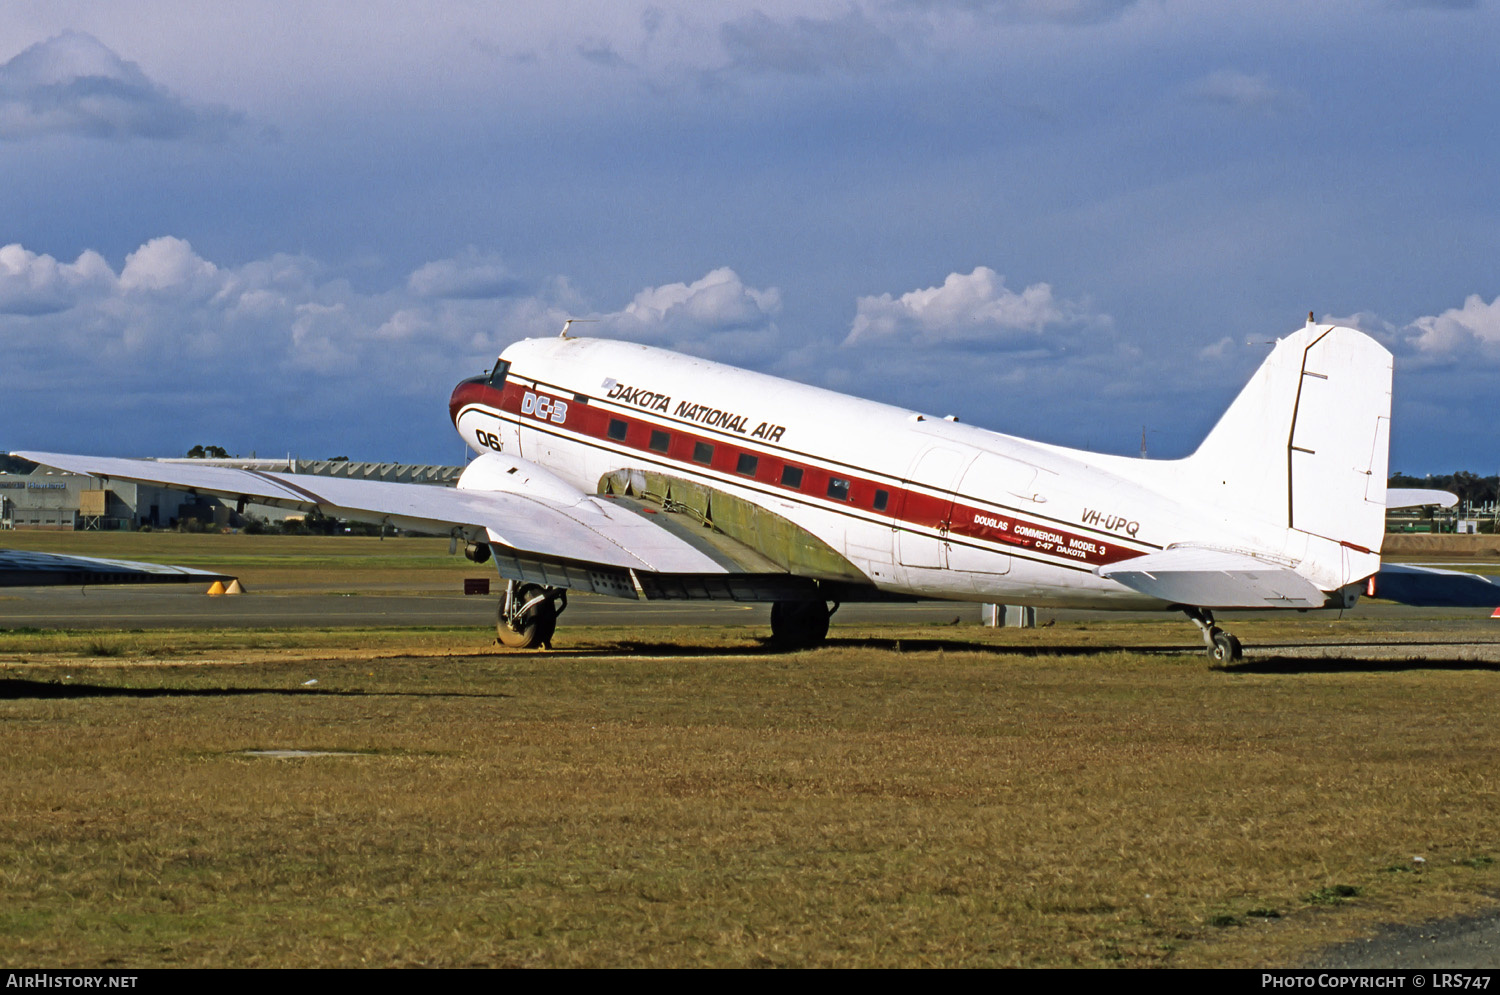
(502, 472)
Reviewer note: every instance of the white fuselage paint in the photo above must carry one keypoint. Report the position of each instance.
(1028, 523)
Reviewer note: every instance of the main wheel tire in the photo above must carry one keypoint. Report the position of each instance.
(1226, 648)
(537, 625)
(799, 624)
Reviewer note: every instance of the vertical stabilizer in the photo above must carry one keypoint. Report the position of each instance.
(1304, 446)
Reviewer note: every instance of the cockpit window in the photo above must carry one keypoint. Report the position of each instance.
(497, 375)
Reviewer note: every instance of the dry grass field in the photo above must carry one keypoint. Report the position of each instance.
(945, 796)
(682, 800)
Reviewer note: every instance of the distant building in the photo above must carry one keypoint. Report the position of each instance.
(45, 499)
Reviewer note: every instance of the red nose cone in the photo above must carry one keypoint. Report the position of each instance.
(475, 390)
(456, 402)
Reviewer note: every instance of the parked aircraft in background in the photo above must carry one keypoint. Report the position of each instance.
(24, 568)
(635, 472)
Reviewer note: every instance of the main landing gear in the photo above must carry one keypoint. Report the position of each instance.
(528, 615)
(1223, 647)
(800, 624)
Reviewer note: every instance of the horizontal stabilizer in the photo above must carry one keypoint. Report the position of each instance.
(1417, 497)
(1429, 588)
(1211, 578)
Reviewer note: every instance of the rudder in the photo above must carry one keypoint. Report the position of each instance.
(1305, 444)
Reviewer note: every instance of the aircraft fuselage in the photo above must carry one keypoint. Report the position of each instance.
(922, 506)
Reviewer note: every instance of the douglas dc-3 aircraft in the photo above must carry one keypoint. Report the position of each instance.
(639, 473)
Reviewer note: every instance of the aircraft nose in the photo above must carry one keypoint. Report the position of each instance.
(485, 389)
(466, 391)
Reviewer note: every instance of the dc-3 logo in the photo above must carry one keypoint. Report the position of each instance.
(544, 408)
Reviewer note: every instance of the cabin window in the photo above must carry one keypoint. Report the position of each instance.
(617, 427)
(838, 489)
(703, 452)
(660, 441)
(882, 498)
(791, 476)
(747, 464)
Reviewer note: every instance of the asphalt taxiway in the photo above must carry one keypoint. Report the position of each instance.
(1446, 635)
(180, 607)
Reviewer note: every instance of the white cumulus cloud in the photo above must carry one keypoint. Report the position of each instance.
(279, 338)
(165, 263)
(471, 275)
(718, 301)
(36, 284)
(968, 308)
(1474, 326)
(171, 317)
(1466, 334)
(73, 84)
(973, 347)
(718, 316)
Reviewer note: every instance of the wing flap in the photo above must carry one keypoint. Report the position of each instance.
(1211, 578)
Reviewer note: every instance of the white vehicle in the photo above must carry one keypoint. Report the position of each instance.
(635, 472)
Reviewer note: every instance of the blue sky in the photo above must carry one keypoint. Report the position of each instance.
(294, 227)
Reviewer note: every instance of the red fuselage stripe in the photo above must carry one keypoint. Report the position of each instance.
(947, 514)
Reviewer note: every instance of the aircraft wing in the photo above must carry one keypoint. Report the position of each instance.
(1211, 578)
(1418, 497)
(1427, 587)
(23, 568)
(556, 533)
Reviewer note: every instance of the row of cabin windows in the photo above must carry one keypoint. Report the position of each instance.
(746, 465)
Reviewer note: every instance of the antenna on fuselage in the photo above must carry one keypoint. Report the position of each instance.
(569, 322)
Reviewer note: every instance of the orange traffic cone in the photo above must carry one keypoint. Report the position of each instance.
(215, 589)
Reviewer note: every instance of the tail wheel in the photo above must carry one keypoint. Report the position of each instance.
(533, 619)
(799, 624)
